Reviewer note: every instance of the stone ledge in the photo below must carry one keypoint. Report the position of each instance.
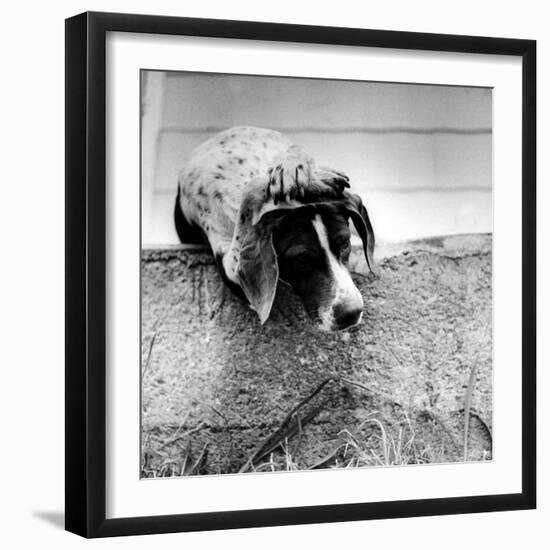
(212, 375)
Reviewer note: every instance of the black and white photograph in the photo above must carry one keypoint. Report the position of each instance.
(316, 274)
(274, 276)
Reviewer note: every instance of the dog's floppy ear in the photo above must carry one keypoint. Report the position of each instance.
(258, 269)
(359, 215)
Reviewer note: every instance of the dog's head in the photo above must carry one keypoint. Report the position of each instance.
(308, 247)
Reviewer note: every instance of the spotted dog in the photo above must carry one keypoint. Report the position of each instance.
(269, 212)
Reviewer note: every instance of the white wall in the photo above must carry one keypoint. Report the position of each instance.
(31, 294)
(421, 156)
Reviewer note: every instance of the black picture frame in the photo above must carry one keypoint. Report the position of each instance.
(86, 273)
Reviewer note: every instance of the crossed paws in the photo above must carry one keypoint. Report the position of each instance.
(295, 177)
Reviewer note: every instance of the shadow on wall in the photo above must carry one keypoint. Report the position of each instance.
(421, 156)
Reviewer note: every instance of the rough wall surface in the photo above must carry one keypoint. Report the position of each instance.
(214, 378)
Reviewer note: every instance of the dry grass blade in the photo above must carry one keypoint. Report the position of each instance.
(299, 439)
(288, 428)
(326, 459)
(467, 405)
(149, 352)
(385, 447)
(376, 393)
(177, 434)
(200, 462)
(187, 452)
(289, 431)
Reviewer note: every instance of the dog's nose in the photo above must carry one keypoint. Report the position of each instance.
(345, 317)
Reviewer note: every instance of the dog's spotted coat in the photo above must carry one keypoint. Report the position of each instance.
(269, 213)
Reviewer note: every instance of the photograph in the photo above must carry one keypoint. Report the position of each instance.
(275, 275)
(316, 274)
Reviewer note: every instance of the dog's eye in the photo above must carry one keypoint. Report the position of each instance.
(304, 261)
(345, 250)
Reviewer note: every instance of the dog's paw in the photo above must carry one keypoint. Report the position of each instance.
(290, 177)
(331, 182)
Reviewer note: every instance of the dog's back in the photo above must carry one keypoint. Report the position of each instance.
(211, 183)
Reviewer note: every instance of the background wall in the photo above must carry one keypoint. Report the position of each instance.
(421, 156)
(31, 293)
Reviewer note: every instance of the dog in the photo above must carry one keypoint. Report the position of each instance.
(269, 213)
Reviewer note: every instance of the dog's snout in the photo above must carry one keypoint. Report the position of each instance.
(345, 317)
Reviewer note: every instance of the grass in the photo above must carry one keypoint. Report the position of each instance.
(403, 437)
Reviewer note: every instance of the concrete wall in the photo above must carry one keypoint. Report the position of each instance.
(420, 155)
(212, 375)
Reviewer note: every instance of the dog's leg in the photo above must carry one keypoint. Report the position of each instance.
(294, 176)
(187, 233)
